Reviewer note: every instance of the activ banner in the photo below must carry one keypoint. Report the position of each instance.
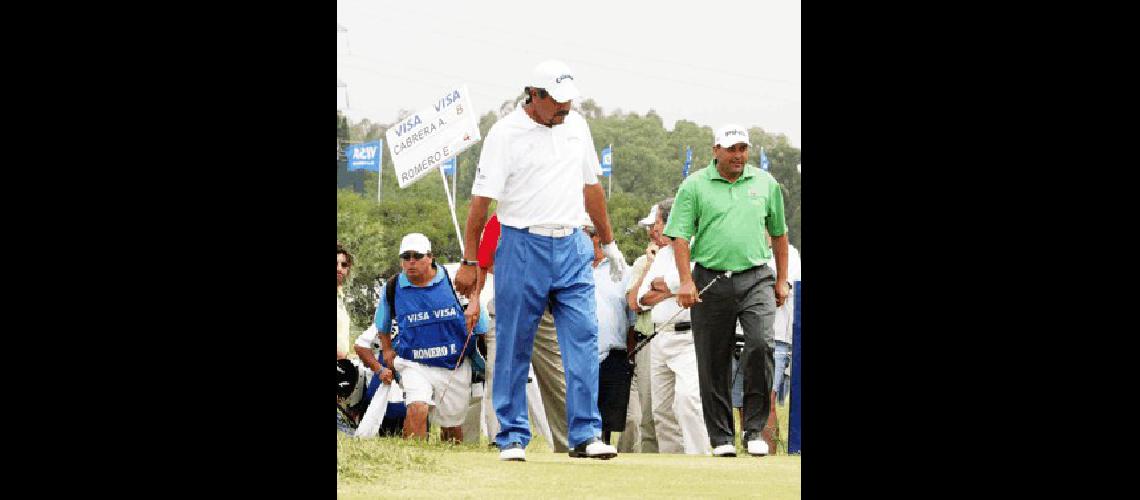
(364, 156)
(433, 135)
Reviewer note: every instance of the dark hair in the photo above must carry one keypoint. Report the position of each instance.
(663, 208)
(542, 93)
(347, 256)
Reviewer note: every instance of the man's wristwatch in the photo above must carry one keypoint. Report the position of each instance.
(469, 262)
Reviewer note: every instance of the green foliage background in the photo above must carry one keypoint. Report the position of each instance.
(647, 168)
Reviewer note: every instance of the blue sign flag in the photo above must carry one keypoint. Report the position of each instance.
(449, 167)
(763, 160)
(607, 161)
(688, 161)
(365, 156)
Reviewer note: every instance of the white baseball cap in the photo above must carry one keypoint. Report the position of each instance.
(650, 219)
(730, 135)
(415, 242)
(556, 78)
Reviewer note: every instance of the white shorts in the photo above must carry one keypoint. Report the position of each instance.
(425, 384)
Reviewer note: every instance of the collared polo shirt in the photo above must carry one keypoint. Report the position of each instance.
(728, 218)
(614, 316)
(536, 172)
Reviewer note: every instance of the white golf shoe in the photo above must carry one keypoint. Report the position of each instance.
(757, 447)
(513, 452)
(594, 448)
(724, 450)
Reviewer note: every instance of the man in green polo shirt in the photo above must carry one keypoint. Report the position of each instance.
(726, 209)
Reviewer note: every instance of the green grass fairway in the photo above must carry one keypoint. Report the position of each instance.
(391, 467)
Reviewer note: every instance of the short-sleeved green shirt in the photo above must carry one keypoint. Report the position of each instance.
(728, 219)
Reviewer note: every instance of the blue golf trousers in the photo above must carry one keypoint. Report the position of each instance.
(532, 271)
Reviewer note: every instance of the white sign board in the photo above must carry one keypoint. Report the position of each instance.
(424, 140)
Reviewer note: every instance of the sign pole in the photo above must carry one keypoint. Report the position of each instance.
(611, 195)
(451, 205)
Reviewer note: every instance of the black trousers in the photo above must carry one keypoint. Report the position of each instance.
(614, 377)
(747, 297)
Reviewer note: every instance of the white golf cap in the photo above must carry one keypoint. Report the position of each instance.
(730, 135)
(415, 242)
(650, 219)
(556, 78)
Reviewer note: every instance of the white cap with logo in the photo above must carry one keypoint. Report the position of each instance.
(650, 219)
(730, 135)
(415, 242)
(556, 78)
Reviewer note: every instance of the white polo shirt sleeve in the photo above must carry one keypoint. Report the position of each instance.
(491, 174)
(368, 337)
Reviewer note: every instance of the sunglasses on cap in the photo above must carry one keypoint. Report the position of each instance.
(413, 255)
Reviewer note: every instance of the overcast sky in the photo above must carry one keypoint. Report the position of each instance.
(710, 62)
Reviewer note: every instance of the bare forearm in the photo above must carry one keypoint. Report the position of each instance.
(780, 250)
(476, 218)
(596, 207)
(482, 280)
(631, 297)
(367, 357)
(654, 297)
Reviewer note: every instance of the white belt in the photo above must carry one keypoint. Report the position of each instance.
(552, 230)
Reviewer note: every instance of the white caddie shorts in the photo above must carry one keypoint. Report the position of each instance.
(425, 384)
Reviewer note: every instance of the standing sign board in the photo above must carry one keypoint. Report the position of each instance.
(431, 136)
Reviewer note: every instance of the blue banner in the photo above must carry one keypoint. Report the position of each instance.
(688, 161)
(449, 167)
(607, 161)
(763, 160)
(797, 341)
(365, 156)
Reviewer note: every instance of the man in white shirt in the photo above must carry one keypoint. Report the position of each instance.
(677, 415)
(615, 340)
(343, 268)
(639, 435)
(782, 328)
(540, 164)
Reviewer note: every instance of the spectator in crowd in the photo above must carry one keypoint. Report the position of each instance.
(677, 416)
(639, 435)
(782, 330)
(357, 381)
(615, 338)
(343, 268)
